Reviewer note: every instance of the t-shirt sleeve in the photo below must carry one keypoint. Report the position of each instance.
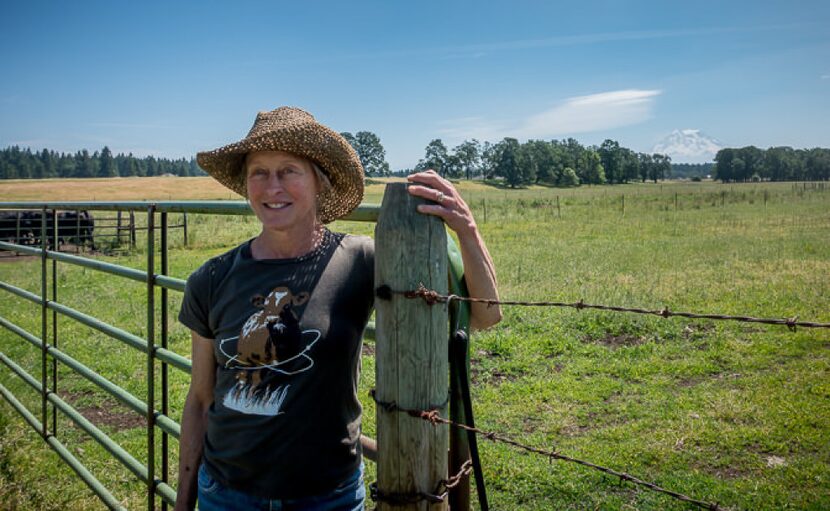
(195, 309)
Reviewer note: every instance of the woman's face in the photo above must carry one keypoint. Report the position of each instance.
(282, 190)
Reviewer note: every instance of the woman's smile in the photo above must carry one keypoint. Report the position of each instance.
(282, 189)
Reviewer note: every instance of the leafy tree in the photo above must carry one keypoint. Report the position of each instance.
(630, 165)
(507, 158)
(489, 160)
(592, 171)
(723, 165)
(350, 139)
(612, 160)
(468, 155)
(660, 167)
(818, 164)
(372, 154)
(435, 157)
(569, 177)
(779, 163)
(539, 159)
(370, 151)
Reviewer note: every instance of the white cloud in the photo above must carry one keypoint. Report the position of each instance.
(596, 112)
(580, 114)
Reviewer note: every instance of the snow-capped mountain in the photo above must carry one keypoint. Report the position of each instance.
(688, 146)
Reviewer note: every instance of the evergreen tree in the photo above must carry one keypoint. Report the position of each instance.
(107, 164)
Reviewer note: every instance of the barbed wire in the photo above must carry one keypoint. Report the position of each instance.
(433, 417)
(438, 495)
(431, 297)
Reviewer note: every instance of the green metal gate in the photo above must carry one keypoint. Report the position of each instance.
(154, 344)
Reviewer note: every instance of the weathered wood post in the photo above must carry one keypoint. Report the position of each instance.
(411, 357)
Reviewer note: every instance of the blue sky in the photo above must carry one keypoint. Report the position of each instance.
(174, 78)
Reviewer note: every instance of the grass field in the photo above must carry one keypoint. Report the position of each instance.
(729, 412)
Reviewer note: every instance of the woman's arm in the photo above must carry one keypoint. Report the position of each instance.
(194, 420)
(479, 271)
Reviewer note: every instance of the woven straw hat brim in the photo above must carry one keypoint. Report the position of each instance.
(325, 147)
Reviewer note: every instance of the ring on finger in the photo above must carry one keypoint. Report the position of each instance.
(440, 198)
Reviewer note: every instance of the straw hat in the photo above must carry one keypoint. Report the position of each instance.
(295, 131)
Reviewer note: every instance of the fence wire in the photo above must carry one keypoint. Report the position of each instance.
(434, 418)
(431, 296)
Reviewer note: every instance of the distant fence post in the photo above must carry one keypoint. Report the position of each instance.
(411, 352)
(184, 227)
(79, 241)
(132, 229)
(118, 228)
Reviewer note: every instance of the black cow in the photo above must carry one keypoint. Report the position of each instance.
(18, 226)
(75, 226)
(25, 227)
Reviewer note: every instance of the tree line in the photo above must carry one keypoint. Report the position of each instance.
(774, 164)
(556, 162)
(559, 163)
(17, 163)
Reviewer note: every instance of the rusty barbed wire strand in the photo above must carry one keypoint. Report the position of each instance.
(432, 297)
(434, 417)
(439, 495)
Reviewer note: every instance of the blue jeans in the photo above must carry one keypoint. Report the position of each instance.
(349, 496)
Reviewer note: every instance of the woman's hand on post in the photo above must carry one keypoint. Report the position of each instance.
(479, 270)
(449, 204)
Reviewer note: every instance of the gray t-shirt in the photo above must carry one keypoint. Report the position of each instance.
(285, 421)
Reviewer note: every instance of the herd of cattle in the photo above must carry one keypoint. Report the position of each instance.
(25, 227)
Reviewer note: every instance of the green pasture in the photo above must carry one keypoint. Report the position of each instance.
(726, 412)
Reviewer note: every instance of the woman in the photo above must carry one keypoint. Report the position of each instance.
(272, 418)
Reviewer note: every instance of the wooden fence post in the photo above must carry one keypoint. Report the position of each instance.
(411, 351)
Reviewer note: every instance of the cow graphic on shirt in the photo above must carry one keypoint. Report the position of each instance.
(270, 349)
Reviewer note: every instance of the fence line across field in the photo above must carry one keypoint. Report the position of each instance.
(431, 296)
(433, 416)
